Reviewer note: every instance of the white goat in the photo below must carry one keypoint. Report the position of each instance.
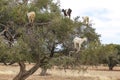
(85, 20)
(31, 16)
(78, 42)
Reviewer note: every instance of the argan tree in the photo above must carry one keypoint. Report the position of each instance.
(38, 41)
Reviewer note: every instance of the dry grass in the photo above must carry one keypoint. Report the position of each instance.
(100, 73)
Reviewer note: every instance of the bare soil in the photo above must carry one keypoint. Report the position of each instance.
(93, 73)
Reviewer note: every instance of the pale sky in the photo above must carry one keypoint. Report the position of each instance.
(104, 13)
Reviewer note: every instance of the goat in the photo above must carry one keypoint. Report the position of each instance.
(31, 16)
(85, 20)
(78, 42)
(67, 12)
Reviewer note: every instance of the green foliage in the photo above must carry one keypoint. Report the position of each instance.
(44, 17)
(96, 54)
(63, 62)
(3, 10)
(89, 55)
(18, 14)
(49, 30)
(42, 4)
(63, 28)
(20, 51)
(4, 55)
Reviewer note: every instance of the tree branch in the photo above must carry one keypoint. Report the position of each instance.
(52, 50)
(2, 32)
(38, 24)
(3, 25)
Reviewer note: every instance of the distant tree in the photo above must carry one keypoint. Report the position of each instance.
(112, 56)
(103, 54)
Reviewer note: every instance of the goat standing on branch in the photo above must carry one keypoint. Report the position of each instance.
(67, 12)
(31, 16)
(78, 42)
(85, 20)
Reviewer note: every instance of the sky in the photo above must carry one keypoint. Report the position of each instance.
(105, 14)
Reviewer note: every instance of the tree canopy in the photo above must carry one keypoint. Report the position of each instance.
(38, 42)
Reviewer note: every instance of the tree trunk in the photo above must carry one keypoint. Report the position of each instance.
(110, 67)
(24, 74)
(43, 72)
(112, 63)
(12, 62)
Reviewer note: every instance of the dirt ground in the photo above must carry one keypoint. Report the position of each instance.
(99, 73)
